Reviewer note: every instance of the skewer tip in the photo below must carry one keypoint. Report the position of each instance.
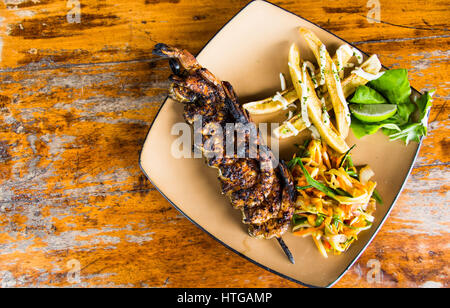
(286, 250)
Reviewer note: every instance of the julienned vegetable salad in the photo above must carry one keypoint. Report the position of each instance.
(336, 200)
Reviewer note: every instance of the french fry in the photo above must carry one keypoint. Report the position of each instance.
(342, 56)
(291, 127)
(272, 104)
(372, 66)
(310, 103)
(349, 85)
(332, 80)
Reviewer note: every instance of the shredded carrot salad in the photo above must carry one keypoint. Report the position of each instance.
(335, 200)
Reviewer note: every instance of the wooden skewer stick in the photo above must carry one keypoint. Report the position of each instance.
(286, 250)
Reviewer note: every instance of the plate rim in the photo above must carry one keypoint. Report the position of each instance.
(363, 249)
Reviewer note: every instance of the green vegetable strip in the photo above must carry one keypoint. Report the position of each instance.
(297, 220)
(342, 192)
(346, 155)
(319, 220)
(294, 162)
(317, 185)
(376, 195)
(336, 221)
(332, 193)
(350, 161)
(303, 187)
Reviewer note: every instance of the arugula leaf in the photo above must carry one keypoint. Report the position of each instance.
(366, 95)
(424, 104)
(413, 131)
(394, 85)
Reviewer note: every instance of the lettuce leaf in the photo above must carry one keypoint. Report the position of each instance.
(361, 129)
(393, 85)
(366, 95)
(404, 112)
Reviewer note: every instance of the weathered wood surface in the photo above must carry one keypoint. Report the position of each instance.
(76, 101)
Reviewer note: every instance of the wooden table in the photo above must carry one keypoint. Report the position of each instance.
(76, 102)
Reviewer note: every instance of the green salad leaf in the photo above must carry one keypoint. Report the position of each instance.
(410, 121)
(414, 130)
(361, 129)
(366, 95)
(404, 112)
(393, 85)
(424, 103)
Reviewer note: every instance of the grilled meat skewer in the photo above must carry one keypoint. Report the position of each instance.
(254, 184)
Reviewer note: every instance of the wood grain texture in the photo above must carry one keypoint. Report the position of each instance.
(76, 102)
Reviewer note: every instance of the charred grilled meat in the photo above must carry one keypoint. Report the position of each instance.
(263, 191)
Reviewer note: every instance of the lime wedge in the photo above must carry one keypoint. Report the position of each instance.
(373, 113)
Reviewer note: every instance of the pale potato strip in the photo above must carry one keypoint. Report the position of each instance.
(349, 86)
(268, 105)
(314, 105)
(332, 81)
(343, 54)
(352, 82)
